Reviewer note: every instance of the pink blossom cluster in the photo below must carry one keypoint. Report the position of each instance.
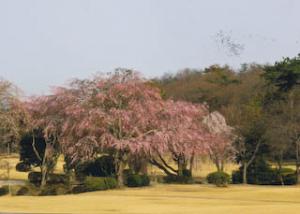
(123, 112)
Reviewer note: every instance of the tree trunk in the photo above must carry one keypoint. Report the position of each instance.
(119, 171)
(144, 167)
(245, 166)
(44, 169)
(119, 164)
(44, 176)
(217, 162)
(45, 164)
(138, 164)
(180, 166)
(222, 165)
(297, 161)
(248, 163)
(279, 163)
(8, 168)
(192, 159)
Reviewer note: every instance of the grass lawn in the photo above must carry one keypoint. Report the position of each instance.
(186, 199)
(160, 198)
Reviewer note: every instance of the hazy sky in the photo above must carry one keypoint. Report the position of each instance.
(44, 43)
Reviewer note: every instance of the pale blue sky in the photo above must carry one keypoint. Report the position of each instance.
(44, 43)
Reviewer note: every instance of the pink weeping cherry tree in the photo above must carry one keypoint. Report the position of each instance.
(123, 115)
(116, 115)
(181, 136)
(220, 147)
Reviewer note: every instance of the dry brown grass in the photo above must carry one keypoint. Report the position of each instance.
(189, 199)
(177, 199)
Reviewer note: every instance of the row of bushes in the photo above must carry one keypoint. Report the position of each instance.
(92, 177)
(178, 179)
(132, 179)
(271, 177)
(135, 180)
(260, 172)
(4, 190)
(217, 178)
(263, 178)
(95, 184)
(32, 190)
(101, 183)
(36, 178)
(23, 167)
(89, 184)
(103, 166)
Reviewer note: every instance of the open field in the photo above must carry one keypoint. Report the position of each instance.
(189, 199)
(159, 198)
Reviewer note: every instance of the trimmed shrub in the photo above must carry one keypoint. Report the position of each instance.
(4, 190)
(27, 189)
(220, 179)
(260, 172)
(126, 174)
(237, 177)
(178, 179)
(102, 167)
(95, 183)
(106, 166)
(58, 189)
(27, 153)
(79, 189)
(57, 179)
(111, 183)
(23, 167)
(186, 173)
(267, 178)
(145, 180)
(23, 191)
(99, 183)
(48, 190)
(36, 178)
(290, 179)
(62, 189)
(136, 180)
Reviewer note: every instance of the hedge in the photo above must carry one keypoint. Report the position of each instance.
(36, 178)
(136, 180)
(4, 190)
(218, 178)
(23, 167)
(178, 179)
(103, 166)
(99, 183)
